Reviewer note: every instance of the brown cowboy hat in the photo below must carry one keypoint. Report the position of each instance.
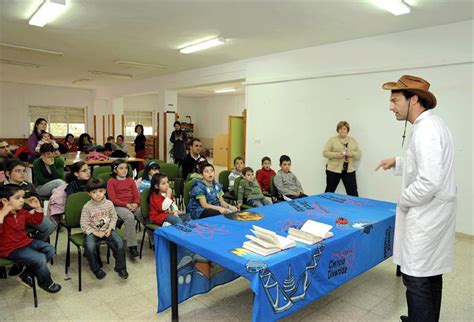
(414, 85)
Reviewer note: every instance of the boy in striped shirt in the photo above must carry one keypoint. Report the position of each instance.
(98, 219)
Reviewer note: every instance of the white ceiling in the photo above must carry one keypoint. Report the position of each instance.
(94, 33)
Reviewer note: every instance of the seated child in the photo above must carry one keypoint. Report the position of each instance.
(206, 196)
(78, 177)
(121, 145)
(249, 190)
(111, 140)
(15, 171)
(98, 220)
(46, 138)
(123, 192)
(163, 209)
(286, 182)
(151, 169)
(236, 172)
(264, 175)
(15, 244)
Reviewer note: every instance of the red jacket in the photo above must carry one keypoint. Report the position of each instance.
(157, 214)
(13, 234)
(122, 192)
(264, 177)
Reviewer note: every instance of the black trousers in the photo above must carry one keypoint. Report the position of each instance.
(296, 197)
(423, 297)
(209, 213)
(348, 178)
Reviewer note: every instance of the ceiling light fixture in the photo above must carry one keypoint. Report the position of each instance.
(109, 74)
(18, 63)
(42, 51)
(47, 12)
(396, 7)
(224, 90)
(135, 64)
(203, 45)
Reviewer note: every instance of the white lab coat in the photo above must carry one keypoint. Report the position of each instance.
(425, 217)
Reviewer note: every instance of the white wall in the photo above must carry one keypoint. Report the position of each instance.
(148, 102)
(15, 99)
(210, 114)
(303, 94)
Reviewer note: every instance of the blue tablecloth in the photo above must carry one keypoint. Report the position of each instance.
(210, 253)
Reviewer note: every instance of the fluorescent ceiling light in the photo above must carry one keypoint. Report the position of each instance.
(396, 7)
(135, 64)
(18, 63)
(224, 90)
(42, 51)
(109, 74)
(81, 80)
(202, 45)
(47, 12)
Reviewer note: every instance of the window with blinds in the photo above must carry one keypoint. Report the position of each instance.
(61, 120)
(132, 118)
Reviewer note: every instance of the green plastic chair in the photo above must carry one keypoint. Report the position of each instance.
(145, 209)
(237, 188)
(72, 219)
(4, 263)
(101, 169)
(186, 192)
(224, 181)
(105, 176)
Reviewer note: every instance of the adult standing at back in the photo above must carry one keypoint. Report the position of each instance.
(425, 216)
(178, 138)
(190, 162)
(140, 145)
(40, 126)
(341, 151)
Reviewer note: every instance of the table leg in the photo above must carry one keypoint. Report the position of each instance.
(174, 281)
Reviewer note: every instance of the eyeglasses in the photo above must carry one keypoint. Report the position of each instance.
(85, 170)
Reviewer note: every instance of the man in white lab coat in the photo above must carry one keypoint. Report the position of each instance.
(425, 217)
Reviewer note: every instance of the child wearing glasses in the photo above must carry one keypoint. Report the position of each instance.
(77, 178)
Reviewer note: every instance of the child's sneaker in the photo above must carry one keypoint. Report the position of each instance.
(100, 274)
(26, 280)
(53, 288)
(122, 273)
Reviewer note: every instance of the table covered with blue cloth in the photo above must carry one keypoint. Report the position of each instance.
(209, 252)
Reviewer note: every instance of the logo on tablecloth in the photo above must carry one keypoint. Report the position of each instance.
(282, 296)
(203, 230)
(341, 261)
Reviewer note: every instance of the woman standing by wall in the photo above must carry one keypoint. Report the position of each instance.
(140, 143)
(178, 138)
(341, 151)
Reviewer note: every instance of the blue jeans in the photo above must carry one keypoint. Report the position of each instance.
(173, 220)
(258, 202)
(35, 256)
(45, 229)
(91, 250)
(423, 297)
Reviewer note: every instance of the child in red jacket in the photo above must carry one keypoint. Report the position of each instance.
(264, 175)
(15, 243)
(163, 209)
(123, 192)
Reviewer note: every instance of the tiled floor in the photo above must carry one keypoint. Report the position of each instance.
(377, 295)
